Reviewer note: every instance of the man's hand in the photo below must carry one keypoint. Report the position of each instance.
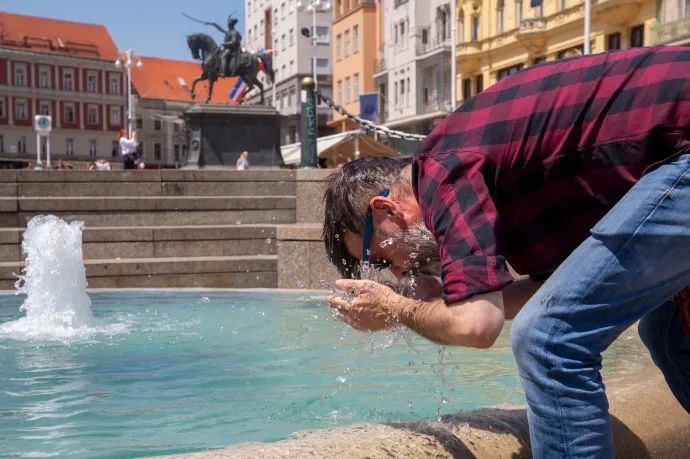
(375, 307)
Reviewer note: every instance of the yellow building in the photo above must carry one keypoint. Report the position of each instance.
(497, 38)
(354, 34)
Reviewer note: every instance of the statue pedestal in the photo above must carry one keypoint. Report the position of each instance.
(218, 134)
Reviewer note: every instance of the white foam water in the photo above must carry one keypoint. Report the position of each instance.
(54, 282)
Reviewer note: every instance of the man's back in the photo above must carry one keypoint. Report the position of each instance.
(548, 151)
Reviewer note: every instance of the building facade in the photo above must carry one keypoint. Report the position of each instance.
(162, 88)
(355, 31)
(277, 25)
(413, 68)
(673, 24)
(497, 38)
(64, 70)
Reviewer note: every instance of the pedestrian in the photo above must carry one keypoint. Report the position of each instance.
(102, 165)
(128, 147)
(577, 173)
(243, 161)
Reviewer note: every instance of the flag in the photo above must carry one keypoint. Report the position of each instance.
(535, 3)
(239, 90)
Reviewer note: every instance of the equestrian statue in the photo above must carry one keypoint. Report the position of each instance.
(231, 61)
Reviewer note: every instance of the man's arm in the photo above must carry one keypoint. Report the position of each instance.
(220, 29)
(476, 322)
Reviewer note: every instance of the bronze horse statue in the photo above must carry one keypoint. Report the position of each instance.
(205, 48)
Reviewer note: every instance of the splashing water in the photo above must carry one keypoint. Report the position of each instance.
(54, 282)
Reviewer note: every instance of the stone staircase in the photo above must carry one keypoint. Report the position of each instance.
(157, 229)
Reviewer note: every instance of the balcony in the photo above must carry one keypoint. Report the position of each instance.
(380, 65)
(383, 116)
(532, 25)
(440, 44)
(671, 31)
(437, 103)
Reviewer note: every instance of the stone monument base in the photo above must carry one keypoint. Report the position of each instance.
(218, 134)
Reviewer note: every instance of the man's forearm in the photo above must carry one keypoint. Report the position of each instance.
(472, 323)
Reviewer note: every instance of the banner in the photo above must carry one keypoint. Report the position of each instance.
(369, 106)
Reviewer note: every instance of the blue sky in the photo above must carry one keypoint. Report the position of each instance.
(150, 27)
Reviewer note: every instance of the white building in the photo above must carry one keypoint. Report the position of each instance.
(413, 69)
(277, 25)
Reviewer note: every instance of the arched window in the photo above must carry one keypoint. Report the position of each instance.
(499, 16)
(475, 28)
(461, 27)
(518, 4)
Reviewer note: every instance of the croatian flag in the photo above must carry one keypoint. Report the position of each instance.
(239, 90)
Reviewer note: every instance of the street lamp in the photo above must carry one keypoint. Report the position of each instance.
(127, 57)
(313, 7)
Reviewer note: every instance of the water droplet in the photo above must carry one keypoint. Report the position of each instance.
(414, 255)
(268, 241)
(341, 379)
(238, 222)
(344, 262)
(257, 277)
(205, 299)
(241, 309)
(444, 400)
(386, 242)
(315, 316)
(337, 237)
(300, 284)
(409, 403)
(428, 260)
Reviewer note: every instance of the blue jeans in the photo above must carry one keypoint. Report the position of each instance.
(637, 257)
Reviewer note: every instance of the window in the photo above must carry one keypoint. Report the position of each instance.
(2, 143)
(282, 10)
(2, 108)
(292, 66)
(637, 36)
(347, 43)
(425, 36)
(409, 90)
(282, 42)
(157, 152)
(340, 92)
(614, 41)
(518, 5)
(355, 39)
(21, 109)
(68, 80)
(176, 127)
(475, 28)
(275, 16)
(561, 4)
(176, 152)
(321, 33)
(402, 93)
(499, 16)
(20, 75)
(115, 116)
(509, 71)
(113, 148)
(347, 90)
(92, 82)
(140, 123)
(157, 125)
(93, 147)
(291, 99)
(44, 108)
(461, 26)
(426, 95)
(92, 115)
(115, 84)
(396, 94)
(539, 60)
(338, 47)
(69, 113)
(292, 37)
(249, 36)
(321, 63)
(44, 78)
(480, 83)
(284, 96)
(21, 144)
(402, 34)
(355, 82)
(466, 89)
(69, 146)
(140, 150)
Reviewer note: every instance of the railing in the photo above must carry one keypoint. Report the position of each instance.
(383, 116)
(380, 65)
(431, 46)
(437, 104)
(529, 24)
(671, 31)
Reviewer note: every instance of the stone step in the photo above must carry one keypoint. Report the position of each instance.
(165, 175)
(160, 241)
(148, 189)
(257, 271)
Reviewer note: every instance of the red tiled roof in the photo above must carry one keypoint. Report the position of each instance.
(167, 79)
(54, 36)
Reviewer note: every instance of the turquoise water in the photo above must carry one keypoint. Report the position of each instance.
(188, 371)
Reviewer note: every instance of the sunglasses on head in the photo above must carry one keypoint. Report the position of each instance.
(368, 229)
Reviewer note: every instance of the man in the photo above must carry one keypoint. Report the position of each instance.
(242, 161)
(577, 173)
(128, 147)
(232, 44)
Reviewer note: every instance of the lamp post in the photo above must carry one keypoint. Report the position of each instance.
(127, 56)
(313, 7)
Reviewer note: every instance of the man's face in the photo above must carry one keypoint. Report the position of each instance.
(400, 239)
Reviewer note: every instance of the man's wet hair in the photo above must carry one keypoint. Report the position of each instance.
(346, 200)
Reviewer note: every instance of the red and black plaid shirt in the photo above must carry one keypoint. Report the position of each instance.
(524, 170)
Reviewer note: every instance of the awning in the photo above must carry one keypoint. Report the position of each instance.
(339, 148)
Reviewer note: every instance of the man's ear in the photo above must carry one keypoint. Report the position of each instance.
(385, 208)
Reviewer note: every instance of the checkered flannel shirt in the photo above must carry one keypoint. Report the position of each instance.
(523, 171)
